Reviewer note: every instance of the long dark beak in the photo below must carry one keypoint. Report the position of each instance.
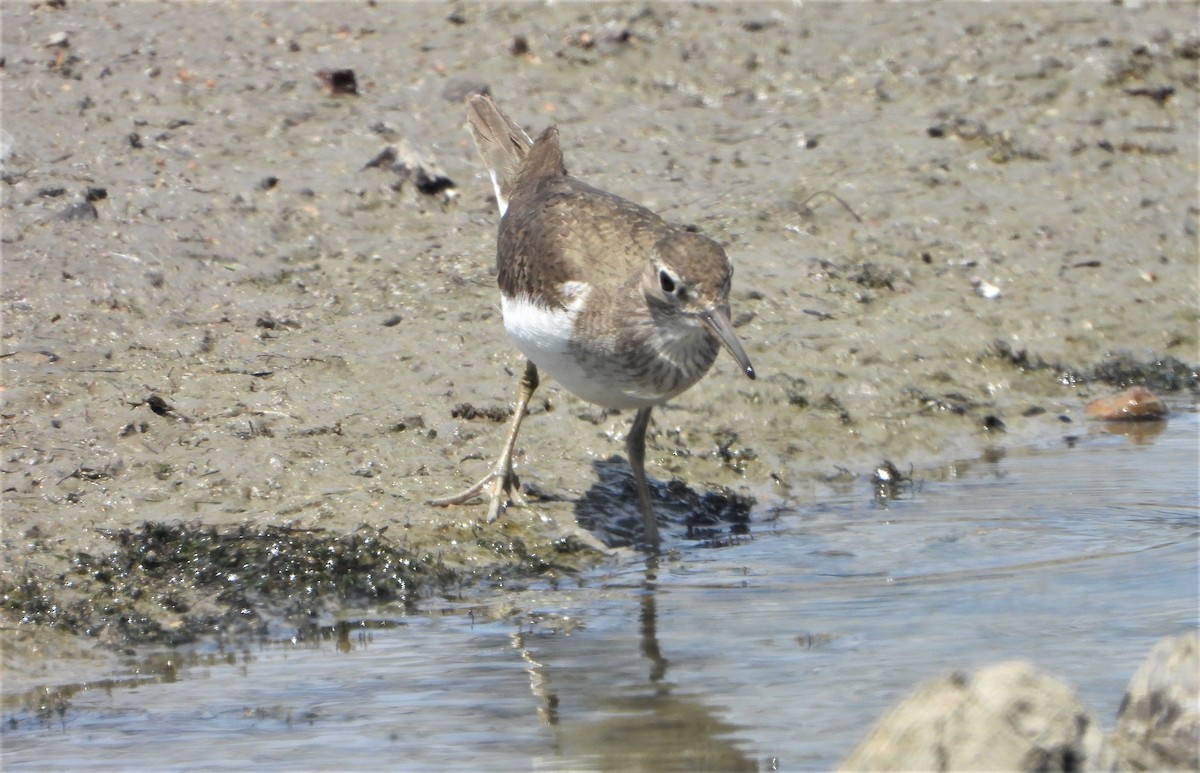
(717, 320)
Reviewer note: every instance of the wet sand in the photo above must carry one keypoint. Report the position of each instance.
(257, 331)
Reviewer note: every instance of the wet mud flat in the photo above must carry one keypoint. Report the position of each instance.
(239, 357)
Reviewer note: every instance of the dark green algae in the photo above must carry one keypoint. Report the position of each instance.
(1118, 369)
(178, 583)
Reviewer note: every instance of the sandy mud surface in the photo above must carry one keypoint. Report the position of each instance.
(219, 320)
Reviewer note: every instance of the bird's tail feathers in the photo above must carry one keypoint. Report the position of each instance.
(502, 144)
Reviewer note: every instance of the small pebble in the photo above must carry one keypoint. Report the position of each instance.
(1134, 404)
(517, 45)
(339, 81)
(985, 289)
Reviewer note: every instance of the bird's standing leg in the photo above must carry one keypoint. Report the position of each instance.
(635, 447)
(500, 485)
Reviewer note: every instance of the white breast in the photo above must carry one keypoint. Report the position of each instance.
(544, 336)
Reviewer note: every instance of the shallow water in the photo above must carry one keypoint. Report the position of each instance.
(781, 649)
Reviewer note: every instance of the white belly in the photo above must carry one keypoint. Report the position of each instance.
(545, 337)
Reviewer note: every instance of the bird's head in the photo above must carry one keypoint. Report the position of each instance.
(687, 282)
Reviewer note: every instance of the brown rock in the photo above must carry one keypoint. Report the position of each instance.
(1134, 404)
(1007, 717)
(1158, 727)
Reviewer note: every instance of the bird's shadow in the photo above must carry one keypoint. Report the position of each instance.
(715, 517)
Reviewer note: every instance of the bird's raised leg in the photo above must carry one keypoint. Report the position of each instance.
(500, 485)
(635, 447)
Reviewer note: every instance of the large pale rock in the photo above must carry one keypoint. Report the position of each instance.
(1007, 717)
(1158, 727)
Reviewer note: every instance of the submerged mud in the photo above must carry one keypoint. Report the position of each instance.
(229, 325)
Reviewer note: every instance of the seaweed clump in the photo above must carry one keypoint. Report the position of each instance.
(173, 583)
(520, 558)
(1121, 369)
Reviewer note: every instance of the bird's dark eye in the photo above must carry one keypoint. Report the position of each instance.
(666, 282)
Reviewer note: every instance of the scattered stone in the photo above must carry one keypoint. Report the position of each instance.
(1007, 717)
(1134, 404)
(758, 25)
(414, 422)
(423, 172)
(411, 166)
(161, 407)
(268, 322)
(341, 81)
(1158, 726)
(1159, 95)
(517, 45)
(874, 277)
(985, 289)
(612, 34)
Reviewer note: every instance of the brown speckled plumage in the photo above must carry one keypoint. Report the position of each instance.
(559, 229)
(624, 308)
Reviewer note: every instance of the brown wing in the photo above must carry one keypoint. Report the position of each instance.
(559, 229)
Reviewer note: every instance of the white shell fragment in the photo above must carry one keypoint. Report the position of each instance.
(985, 289)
